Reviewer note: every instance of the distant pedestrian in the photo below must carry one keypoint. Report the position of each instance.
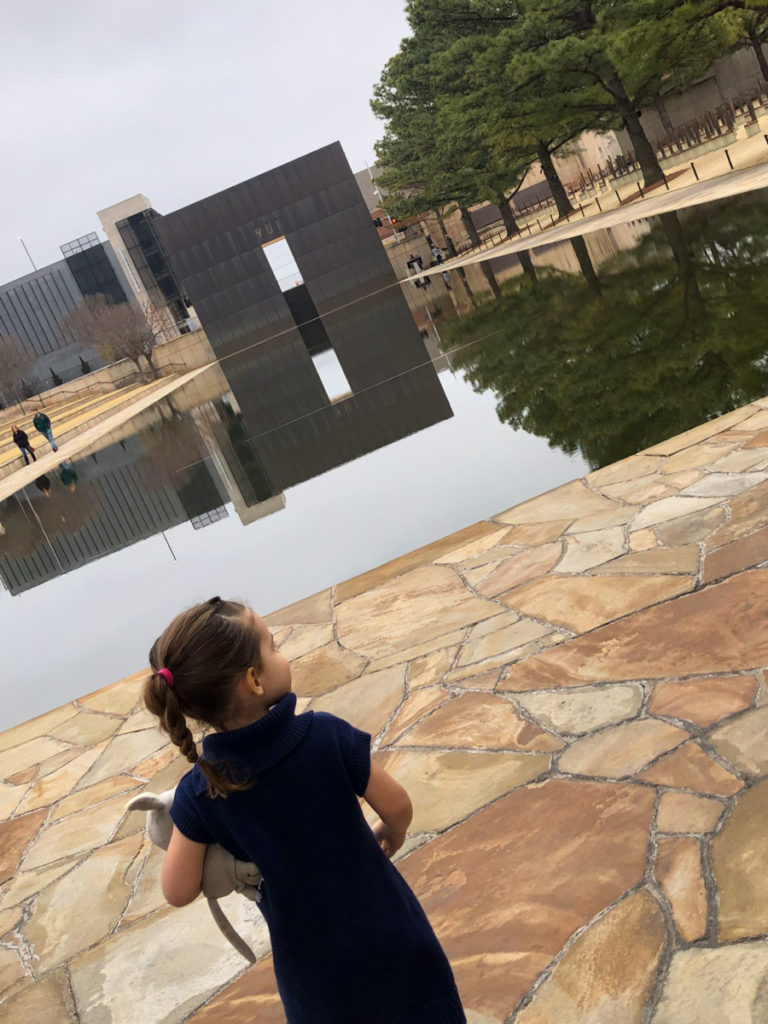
(43, 484)
(20, 438)
(43, 425)
(447, 279)
(437, 253)
(68, 476)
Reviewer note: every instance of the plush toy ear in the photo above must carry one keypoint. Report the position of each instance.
(146, 802)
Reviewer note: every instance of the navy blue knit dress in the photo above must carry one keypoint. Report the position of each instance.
(350, 942)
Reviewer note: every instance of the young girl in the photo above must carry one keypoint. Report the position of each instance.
(350, 942)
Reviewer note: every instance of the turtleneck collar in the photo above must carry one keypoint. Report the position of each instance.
(263, 743)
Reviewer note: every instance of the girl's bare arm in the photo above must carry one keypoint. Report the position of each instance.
(393, 806)
(181, 877)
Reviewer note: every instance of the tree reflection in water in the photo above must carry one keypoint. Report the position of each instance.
(676, 334)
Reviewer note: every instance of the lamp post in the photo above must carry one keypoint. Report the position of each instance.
(26, 250)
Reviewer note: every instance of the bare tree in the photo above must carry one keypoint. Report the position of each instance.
(14, 363)
(116, 330)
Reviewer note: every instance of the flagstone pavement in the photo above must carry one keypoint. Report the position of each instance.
(573, 692)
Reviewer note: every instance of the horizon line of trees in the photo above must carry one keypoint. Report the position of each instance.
(482, 90)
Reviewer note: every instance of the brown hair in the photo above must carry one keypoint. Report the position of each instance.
(205, 648)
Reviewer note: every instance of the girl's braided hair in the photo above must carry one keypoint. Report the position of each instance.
(205, 649)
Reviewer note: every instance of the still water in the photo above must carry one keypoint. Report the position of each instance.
(601, 348)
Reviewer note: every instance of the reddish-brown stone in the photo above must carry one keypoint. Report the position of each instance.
(690, 768)
(252, 997)
(736, 556)
(518, 569)
(678, 870)
(703, 701)
(15, 836)
(506, 889)
(759, 440)
(689, 635)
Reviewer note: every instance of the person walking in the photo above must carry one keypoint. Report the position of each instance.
(350, 942)
(43, 425)
(21, 439)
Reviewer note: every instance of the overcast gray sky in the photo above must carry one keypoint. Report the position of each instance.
(173, 99)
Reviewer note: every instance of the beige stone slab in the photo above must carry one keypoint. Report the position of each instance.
(724, 485)
(519, 568)
(118, 698)
(45, 1000)
(749, 511)
(28, 883)
(570, 501)
(703, 701)
(138, 719)
(475, 547)
(15, 837)
(739, 856)
(741, 461)
(304, 639)
(716, 986)
(685, 812)
(34, 751)
(701, 433)
(631, 468)
(657, 560)
(671, 508)
(10, 798)
(82, 908)
(685, 477)
(315, 609)
(472, 568)
(94, 795)
(8, 920)
(742, 741)
(412, 560)
(367, 702)
(530, 535)
(86, 728)
(583, 709)
(643, 540)
(482, 721)
(481, 648)
(622, 750)
(147, 896)
(58, 784)
(619, 515)
(691, 529)
(195, 961)
(678, 871)
(11, 969)
(466, 673)
(430, 669)
(78, 833)
(444, 643)
(692, 458)
(586, 550)
(324, 669)
(607, 974)
(499, 622)
(57, 761)
(422, 604)
(21, 734)
(581, 603)
(642, 490)
(419, 703)
(690, 767)
(473, 577)
(446, 787)
(155, 763)
(122, 753)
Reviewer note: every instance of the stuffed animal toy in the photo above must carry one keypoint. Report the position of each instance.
(222, 873)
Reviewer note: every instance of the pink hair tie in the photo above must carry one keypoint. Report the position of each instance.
(166, 674)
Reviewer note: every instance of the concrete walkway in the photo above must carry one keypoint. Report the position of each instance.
(573, 691)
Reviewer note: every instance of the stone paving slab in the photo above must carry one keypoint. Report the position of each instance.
(574, 693)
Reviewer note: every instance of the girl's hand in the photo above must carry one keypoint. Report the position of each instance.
(389, 841)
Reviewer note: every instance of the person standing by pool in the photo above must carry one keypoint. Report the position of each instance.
(43, 425)
(20, 438)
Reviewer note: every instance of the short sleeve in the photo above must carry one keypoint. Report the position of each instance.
(185, 814)
(355, 747)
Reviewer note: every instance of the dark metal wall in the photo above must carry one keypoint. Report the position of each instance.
(215, 247)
